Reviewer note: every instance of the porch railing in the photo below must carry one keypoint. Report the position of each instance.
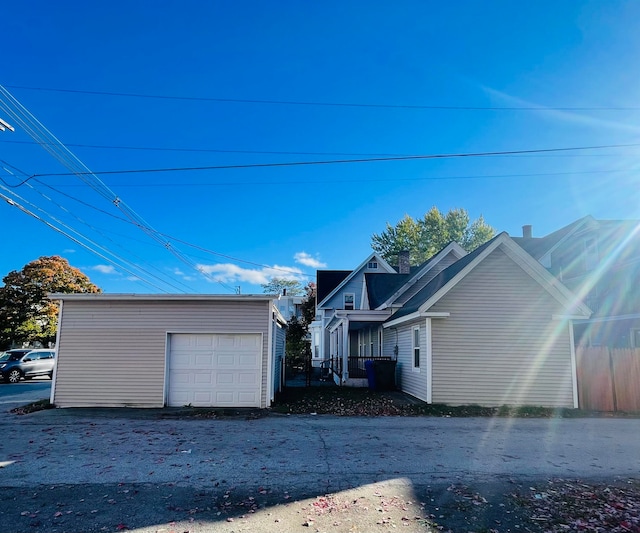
(357, 368)
(356, 365)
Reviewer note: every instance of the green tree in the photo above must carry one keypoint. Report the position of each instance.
(309, 304)
(298, 347)
(26, 314)
(426, 236)
(278, 285)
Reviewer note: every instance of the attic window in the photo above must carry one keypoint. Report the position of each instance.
(372, 264)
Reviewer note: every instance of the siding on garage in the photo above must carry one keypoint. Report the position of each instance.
(113, 352)
(279, 336)
(500, 344)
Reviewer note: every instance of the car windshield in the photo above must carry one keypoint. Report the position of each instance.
(12, 356)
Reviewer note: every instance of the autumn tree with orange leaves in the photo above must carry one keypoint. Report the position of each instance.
(27, 316)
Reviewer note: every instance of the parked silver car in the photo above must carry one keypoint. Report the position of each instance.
(26, 363)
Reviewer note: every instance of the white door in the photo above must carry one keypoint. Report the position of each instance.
(215, 370)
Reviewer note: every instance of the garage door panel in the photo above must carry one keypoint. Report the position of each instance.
(224, 397)
(181, 377)
(224, 378)
(201, 397)
(247, 397)
(202, 341)
(203, 360)
(205, 378)
(245, 378)
(248, 360)
(214, 370)
(226, 360)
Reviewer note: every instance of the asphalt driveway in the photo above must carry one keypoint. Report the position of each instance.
(139, 471)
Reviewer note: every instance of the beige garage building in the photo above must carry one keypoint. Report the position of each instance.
(136, 350)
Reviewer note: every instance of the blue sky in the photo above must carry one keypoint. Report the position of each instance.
(514, 76)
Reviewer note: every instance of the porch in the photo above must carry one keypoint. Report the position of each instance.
(356, 373)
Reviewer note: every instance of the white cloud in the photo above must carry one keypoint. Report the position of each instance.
(104, 269)
(305, 259)
(69, 251)
(133, 278)
(229, 273)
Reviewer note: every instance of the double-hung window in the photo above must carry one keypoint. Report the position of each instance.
(349, 299)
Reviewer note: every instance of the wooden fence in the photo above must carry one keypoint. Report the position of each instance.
(608, 379)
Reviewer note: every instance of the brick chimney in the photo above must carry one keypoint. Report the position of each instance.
(527, 231)
(404, 265)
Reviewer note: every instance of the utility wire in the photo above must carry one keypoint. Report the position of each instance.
(170, 237)
(76, 240)
(365, 180)
(326, 104)
(334, 161)
(24, 118)
(265, 152)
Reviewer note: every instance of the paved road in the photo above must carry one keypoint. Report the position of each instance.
(13, 395)
(101, 451)
(63, 447)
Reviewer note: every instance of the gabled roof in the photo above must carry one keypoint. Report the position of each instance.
(450, 276)
(372, 257)
(381, 287)
(539, 247)
(419, 271)
(327, 280)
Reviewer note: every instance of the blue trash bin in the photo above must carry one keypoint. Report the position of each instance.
(371, 375)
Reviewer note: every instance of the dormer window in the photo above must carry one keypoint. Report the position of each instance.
(349, 299)
(373, 265)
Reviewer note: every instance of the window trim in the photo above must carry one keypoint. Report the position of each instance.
(415, 348)
(373, 265)
(353, 302)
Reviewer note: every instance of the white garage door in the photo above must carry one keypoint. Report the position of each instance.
(215, 370)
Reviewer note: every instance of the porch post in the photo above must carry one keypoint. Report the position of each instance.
(345, 349)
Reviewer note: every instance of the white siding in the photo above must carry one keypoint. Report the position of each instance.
(410, 380)
(113, 353)
(500, 344)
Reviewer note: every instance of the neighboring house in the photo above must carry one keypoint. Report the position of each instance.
(599, 260)
(290, 306)
(491, 327)
(168, 350)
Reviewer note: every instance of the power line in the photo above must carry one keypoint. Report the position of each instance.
(212, 150)
(364, 180)
(76, 240)
(335, 161)
(58, 150)
(325, 104)
(93, 228)
(256, 152)
(181, 241)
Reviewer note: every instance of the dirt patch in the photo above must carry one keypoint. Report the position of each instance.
(348, 401)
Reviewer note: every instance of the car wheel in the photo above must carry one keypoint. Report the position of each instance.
(14, 376)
